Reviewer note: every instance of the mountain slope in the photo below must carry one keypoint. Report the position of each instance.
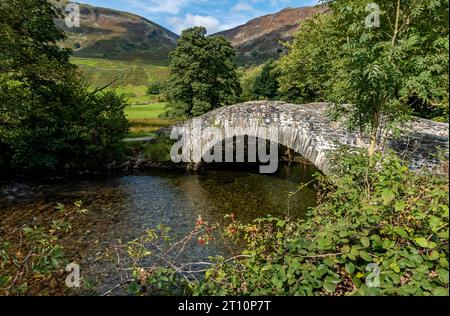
(260, 39)
(107, 33)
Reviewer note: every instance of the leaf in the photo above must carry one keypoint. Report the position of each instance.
(440, 291)
(27, 230)
(365, 242)
(443, 262)
(324, 243)
(422, 242)
(434, 255)
(400, 206)
(443, 276)
(394, 267)
(329, 287)
(401, 232)
(332, 280)
(387, 196)
(349, 267)
(365, 256)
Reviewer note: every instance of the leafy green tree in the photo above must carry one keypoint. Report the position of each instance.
(305, 72)
(373, 74)
(266, 84)
(248, 77)
(155, 88)
(203, 75)
(48, 119)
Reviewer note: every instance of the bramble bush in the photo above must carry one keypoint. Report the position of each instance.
(372, 211)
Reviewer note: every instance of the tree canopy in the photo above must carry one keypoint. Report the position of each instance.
(48, 119)
(266, 83)
(203, 74)
(374, 74)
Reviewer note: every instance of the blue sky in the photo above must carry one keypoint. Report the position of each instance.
(215, 15)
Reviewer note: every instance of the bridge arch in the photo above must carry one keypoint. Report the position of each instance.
(308, 131)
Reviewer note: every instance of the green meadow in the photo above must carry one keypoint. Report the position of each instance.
(131, 78)
(146, 111)
(144, 119)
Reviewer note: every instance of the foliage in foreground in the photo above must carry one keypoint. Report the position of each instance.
(35, 264)
(374, 214)
(372, 211)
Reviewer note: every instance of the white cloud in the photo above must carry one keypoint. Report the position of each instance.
(242, 7)
(158, 6)
(211, 23)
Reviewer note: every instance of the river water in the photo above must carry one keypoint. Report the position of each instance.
(124, 206)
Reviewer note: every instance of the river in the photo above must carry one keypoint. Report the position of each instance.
(124, 206)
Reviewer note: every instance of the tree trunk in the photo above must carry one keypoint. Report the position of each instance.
(374, 134)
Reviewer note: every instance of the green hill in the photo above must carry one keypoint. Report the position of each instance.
(132, 78)
(112, 34)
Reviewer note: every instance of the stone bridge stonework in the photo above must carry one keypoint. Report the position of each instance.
(307, 130)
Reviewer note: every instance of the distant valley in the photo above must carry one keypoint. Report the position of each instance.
(110, 34)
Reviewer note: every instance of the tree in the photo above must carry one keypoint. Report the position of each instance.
(203, 75)
(248, 77)
(266, 83)
(373, 73)
(304, 73)
(48, 119)
(155, 88)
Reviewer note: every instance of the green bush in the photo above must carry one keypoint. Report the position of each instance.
(64, 126)
(48, 118)
(155, 88)
(372, 211)
(159, 149)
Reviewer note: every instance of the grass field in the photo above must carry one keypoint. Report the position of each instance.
(135, 77)
(144, 119)
(144, 109)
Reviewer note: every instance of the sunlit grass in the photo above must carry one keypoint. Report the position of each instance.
(146, 111)
(144, 119)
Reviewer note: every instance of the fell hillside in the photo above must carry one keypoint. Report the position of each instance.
(261, 39)
(112, 34)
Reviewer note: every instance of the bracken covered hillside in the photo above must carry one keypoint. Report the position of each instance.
(260, 39)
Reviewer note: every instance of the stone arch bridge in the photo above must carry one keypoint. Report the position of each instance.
(308, 131)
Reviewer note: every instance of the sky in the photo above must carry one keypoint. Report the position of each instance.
(215, 15)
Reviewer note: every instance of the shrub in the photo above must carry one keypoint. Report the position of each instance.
(155, 88)
(374, 214)
(159, 149)
(62, 127)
